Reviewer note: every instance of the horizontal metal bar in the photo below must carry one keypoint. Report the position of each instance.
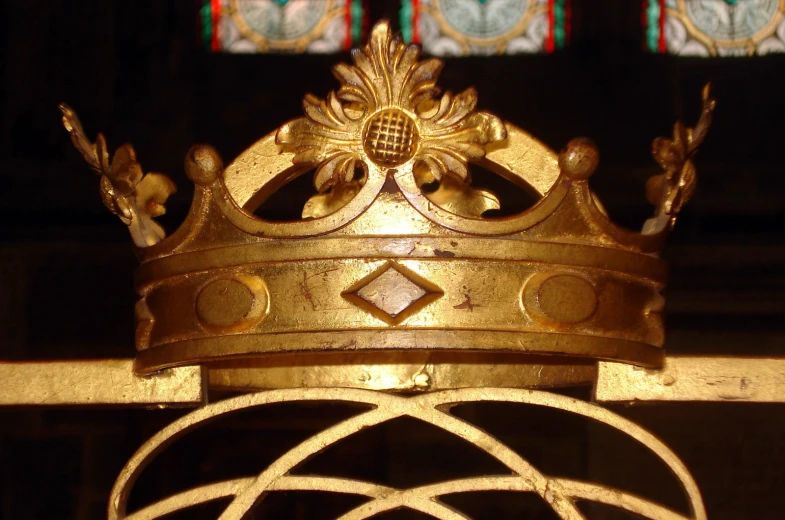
(113, 382)
(98, 382)
(702, 378)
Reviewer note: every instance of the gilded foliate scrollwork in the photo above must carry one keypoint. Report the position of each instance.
(670, 190)
(125, 190)
(387, 113)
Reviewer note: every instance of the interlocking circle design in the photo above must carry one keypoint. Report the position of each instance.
(432, 408)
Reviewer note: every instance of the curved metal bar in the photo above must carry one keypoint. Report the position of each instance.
(148, 451)
(543, 209)
(190, 498)
(597, 413)
(431, 408)
(228, 488)
(299, 228)
(250, 496)
(577, 490)
(548, 489)
(387, 498)
(397, 407)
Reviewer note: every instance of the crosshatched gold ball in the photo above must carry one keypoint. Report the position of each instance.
(390, 137)
(579, 158)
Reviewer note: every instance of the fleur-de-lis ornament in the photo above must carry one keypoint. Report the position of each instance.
(387, 113)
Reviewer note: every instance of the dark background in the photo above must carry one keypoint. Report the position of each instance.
(137, 71)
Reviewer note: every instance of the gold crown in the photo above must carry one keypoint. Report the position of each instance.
(393, 278)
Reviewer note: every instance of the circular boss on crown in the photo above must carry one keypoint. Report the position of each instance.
(232, 303)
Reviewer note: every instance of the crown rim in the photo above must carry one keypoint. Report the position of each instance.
(248, 346)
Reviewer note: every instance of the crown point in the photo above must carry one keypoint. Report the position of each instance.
(579, 159)
(203, 164)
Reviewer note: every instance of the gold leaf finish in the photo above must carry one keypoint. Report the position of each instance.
(395, 280)
(125, 190)
(669, 191)
(387, 113)
(392, 293)
(396, 261)
(560, 495)
(100, 382)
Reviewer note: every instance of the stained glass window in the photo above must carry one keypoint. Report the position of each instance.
(486, 27)
(715, 27)
(295, 26)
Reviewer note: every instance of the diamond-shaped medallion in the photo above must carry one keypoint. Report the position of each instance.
(392, 293)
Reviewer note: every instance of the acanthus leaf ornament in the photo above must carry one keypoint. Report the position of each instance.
(387, 113)
(125, 190)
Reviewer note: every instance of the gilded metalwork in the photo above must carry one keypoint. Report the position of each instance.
(560, 494)
(395, 280)
(671, 190)
(401, 371)
(125, 190)
(394, 253)
(386, 113)
(99, 382)
(695, 378)
(392, 293)
(113, 382)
